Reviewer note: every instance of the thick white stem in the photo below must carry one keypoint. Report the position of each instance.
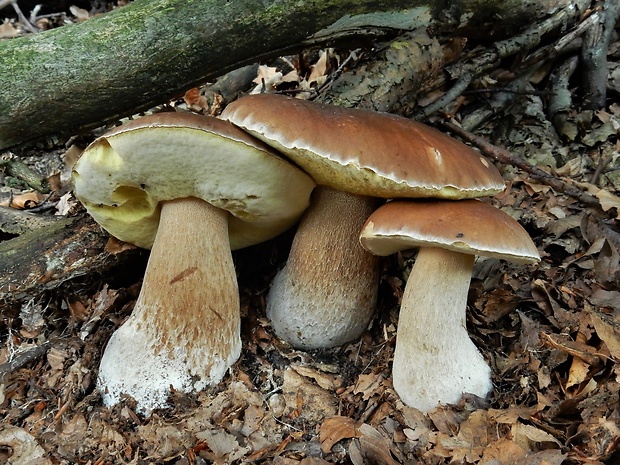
(184, 331)
(326, 293)
(435, 361)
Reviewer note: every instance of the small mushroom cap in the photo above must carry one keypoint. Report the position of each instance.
(465, 226)
(123, 176)
(366, 152)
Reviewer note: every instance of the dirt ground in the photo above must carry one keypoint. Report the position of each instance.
(550, 331)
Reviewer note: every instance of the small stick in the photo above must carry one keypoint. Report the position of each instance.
(455, 91)
(502, 155)
(488, 59)
(600, 168)
(27, 24)
(24, 358)
(18, 169)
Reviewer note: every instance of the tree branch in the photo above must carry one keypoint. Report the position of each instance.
(502, 155)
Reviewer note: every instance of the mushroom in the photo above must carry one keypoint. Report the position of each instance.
(191, 188)
(435, 361)
(325, 295)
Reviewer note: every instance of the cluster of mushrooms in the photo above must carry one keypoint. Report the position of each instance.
(192, 188)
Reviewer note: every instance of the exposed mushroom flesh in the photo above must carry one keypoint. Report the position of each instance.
(326, 294)
(184, 331)
(435, 361)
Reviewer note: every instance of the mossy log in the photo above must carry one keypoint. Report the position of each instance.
(150, 51)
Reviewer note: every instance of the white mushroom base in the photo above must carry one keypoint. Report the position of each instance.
(184, 332)
(135, 365)
(435, 361)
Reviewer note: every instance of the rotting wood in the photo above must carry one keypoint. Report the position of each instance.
(47, 257)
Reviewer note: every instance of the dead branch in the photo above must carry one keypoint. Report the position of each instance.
(594, 55)
(561, 99)
(49, 256)
(23, 359)
(483, 61)
(503, 156)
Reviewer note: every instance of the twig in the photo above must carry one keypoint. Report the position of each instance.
(18, 169)
(488, 59)
(24, 358)
(565, 42)
(600, 168)
(495, 104)
(561, 100)
(508, 90)
(17, 222)
(353, 56)
(529, 39)
(27, 24)
(502, 155)
(455, 91)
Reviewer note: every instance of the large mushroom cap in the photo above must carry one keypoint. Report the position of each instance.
(365, 152)
(122, 176)
(466, 226)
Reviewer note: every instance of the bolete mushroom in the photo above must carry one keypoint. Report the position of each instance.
(326, 293)
(191, 187)
(435, 361)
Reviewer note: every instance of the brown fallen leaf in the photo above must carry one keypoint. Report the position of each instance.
(335, 429)
(368, 385)
(608, 329)
(524, 435)
(7, 30)
(576, 349)
(23, 201)
(195, 100)
(325, 380)
(371, 447)
(545, 457)
(305, 399)
(503, 451)
(19, 446)
(114, 246)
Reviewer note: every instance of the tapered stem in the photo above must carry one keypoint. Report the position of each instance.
(435, 361)
(326, 293)
(184, 331)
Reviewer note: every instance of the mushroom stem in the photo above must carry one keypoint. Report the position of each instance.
(435, 361)
(184, 332)
(326, 293)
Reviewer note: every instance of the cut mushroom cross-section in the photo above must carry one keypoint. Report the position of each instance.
(326, 293)
(191, 188)
(435, 361)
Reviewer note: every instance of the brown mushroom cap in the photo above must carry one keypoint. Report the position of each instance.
(366, 152)
(465, 226)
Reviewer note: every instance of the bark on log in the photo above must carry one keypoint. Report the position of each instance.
(47, 257)
(149, 51)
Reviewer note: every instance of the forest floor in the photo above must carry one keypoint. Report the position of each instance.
(550, 331)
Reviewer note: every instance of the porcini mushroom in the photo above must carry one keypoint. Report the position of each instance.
(435, 361)
(191, 188)
(326, 293)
